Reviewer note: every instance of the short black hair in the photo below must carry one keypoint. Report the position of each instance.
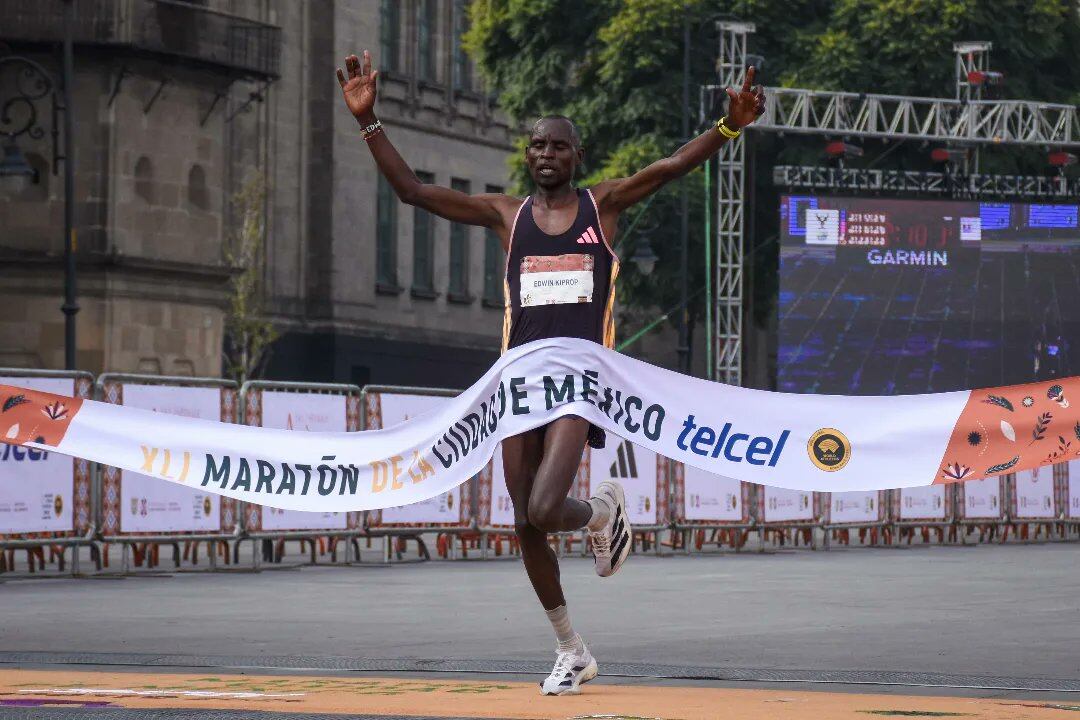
(575, 137)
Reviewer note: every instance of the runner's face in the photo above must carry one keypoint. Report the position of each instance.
(551, 155)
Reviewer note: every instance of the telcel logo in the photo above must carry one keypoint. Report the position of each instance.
(19, 454)
(760, 450)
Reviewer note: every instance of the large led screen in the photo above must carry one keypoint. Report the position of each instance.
(887, 296)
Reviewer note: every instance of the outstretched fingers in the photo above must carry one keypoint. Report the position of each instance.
(748, 79)
(367, 63)
(341, 78)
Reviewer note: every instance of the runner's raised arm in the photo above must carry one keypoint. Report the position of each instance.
(359, 90)
(614, 196)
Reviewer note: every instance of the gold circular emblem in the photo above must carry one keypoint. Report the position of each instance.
(829, 449)
(206, 506)
(58, 505)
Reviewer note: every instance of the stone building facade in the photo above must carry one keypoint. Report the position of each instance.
(177, 106)
(364, 288)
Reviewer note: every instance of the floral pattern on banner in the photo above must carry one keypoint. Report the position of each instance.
(1019, 425)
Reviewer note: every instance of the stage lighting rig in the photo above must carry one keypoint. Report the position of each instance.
(1062, 159)
(986, 77)
(954, 156)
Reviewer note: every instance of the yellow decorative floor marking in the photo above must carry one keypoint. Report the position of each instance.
(487, 699)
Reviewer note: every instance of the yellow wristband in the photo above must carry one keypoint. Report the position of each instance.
(725, 130)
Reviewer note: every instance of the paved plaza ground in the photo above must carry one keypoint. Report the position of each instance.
(832, 632)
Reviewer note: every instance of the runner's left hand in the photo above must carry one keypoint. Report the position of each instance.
(747, 104)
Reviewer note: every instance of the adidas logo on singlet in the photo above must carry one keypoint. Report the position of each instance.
(588, 237)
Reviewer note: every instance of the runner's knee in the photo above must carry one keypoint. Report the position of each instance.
(545, 516)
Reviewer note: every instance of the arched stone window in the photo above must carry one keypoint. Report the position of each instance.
(197, 194)
(144, 179)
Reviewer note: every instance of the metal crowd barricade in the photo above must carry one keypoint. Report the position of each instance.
(924, 508)
(723, 510)
(494, 509)
(1069, 482)
(842, 512)
(254, 395)
(83, 498)
(1034, 501)
(374, 416)
(110, 388)
(980, 504)
(782, 510)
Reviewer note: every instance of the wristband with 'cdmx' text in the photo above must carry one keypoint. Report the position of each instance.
(372, 130)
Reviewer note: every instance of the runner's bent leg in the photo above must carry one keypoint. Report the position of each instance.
(550, 509)
(522, 455)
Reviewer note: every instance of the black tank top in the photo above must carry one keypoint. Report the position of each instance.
(560, 285)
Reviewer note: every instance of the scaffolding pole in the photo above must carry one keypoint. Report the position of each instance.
(731, 191)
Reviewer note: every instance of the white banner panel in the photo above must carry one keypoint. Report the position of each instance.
(635, 468)
(1073, 485)
(780, 505)
(148, 505)
(774, 439)
(711, 497)
(1035, 493)
(502, 507)
(444, 508)
(924, 503)
(36, 485)
(305, 412)
(982, 499)
(854, 507)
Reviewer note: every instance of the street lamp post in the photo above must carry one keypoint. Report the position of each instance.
(684, 260)
(19, 116)
(71, 304)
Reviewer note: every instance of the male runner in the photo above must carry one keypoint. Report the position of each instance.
(561, 233)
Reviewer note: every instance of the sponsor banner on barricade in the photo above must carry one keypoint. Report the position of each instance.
(853, 508)
(981, 499)
(385, 408)
(779, 505)
(922, 504)
(133, 503)
(1033, 495)
(302, 411)
(643, 475)
(703, 498)
(42, 493)
(1072, 489)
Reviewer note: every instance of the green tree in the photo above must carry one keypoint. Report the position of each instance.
(248, 333)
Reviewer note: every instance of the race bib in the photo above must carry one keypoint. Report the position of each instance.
(556, 279)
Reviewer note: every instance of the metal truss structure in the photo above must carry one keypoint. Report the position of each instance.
(943, 120)
(966, 121)
(730, 189)
(928, 183)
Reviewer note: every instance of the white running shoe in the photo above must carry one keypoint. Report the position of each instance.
(574, 665)
(611, 545)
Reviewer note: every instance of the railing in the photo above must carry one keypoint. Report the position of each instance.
(168, 27)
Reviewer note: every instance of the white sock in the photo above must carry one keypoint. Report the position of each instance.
(560, 622)
(601, 513)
